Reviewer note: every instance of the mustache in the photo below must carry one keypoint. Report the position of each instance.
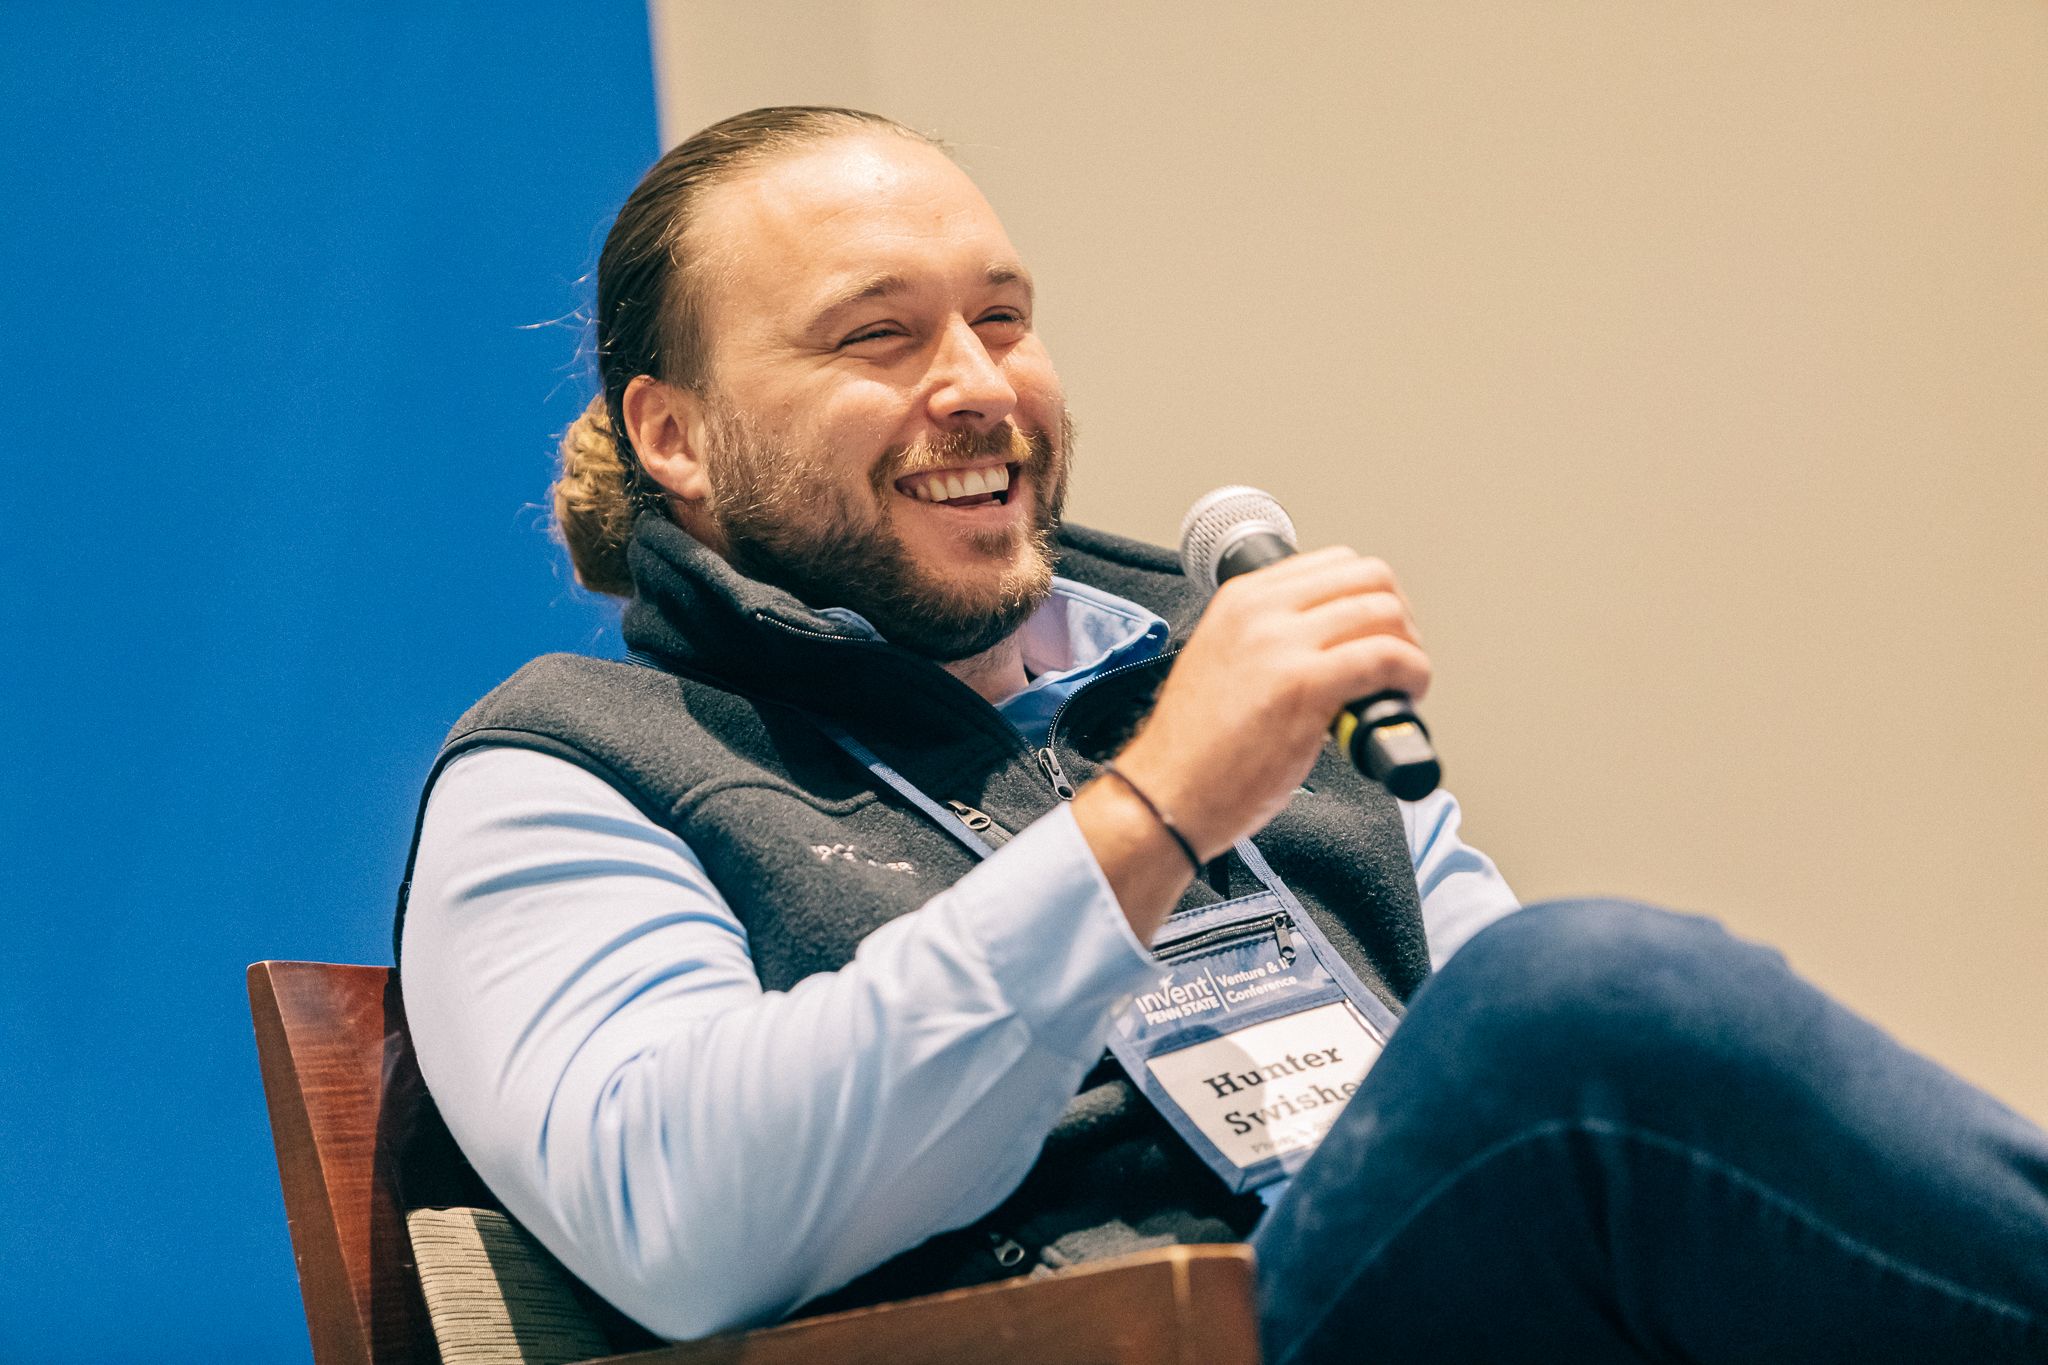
(1000, 442)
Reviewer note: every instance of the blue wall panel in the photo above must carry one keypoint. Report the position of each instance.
(288, 325)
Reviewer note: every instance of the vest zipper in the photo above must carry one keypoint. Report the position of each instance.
(1049, 764)
(1224, 935)
(1048, 757)
(1046, 763)
(1054, 728)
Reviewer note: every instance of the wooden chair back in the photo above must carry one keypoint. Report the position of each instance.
(359, 1142)
(344, 1093)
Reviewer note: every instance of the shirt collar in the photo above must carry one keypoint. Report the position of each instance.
(1079, 629)
(1076, 631)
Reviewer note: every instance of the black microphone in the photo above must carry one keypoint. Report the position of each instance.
(1234, 530)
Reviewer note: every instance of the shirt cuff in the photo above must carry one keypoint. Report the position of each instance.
(1053, 935)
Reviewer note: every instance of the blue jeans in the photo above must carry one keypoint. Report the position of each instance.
(1608, 1133)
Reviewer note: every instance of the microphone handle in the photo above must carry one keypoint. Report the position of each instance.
(1388, 742)
(1381, 735)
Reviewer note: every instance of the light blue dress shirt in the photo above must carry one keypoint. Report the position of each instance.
(707, 1154)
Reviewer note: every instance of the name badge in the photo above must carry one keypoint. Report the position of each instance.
(1248, 1042)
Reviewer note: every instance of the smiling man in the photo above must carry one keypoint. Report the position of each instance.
(881, 411)
(773, 967)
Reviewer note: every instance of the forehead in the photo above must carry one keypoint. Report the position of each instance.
(781, 240)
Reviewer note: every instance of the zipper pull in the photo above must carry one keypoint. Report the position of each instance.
(1279, 924)
(970, 817)
(1007, 1250)
(1049, 763)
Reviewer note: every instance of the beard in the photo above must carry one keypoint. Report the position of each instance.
(791, 518)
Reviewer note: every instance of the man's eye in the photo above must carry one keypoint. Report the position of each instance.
(876, 333)
(1000, 315)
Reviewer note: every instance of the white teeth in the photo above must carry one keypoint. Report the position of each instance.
(942, 487)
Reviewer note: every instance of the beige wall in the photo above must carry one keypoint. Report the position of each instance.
(1689, 360)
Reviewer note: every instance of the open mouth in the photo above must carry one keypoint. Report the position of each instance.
(979, 486)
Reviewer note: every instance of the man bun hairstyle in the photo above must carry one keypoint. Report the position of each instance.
(649, 320)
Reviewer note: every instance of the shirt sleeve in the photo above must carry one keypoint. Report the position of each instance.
(1462, 891)
(702, 1152)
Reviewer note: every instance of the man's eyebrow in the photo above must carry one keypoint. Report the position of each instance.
(861, 290)
(885, 283)
(999, 275)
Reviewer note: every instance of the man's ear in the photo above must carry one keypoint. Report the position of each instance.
(666, 426)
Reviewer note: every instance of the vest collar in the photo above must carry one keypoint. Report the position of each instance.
(697, 614)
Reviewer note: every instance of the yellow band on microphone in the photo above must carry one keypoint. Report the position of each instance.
(1343, 730)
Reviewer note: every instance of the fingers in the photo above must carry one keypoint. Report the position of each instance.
(1247, 706)
(1375, 663)
(1325, 601)
(1308, 580)
(1349, 618)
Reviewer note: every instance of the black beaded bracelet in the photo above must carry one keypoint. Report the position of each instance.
(1165, 820)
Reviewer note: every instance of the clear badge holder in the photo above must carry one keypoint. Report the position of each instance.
(1248, 1043)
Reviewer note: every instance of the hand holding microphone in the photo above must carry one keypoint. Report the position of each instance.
(1247, 708)
(1237, 530)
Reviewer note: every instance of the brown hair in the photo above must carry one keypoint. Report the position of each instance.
(649, 320)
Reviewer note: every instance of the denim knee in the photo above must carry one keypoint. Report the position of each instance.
(1578, 1004)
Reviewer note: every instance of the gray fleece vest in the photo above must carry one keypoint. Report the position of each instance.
(813, 852)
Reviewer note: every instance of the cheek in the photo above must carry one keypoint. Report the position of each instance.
(860, 424)
(855, 402)
(1040, 400)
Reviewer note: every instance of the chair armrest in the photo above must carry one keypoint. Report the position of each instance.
(1183, 1305)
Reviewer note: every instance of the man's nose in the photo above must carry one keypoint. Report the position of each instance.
(969, 388)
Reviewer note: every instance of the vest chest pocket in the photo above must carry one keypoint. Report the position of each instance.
(759, 833)
(809, 880)
(993, 834)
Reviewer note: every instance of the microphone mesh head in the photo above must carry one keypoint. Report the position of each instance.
(1221, 518)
